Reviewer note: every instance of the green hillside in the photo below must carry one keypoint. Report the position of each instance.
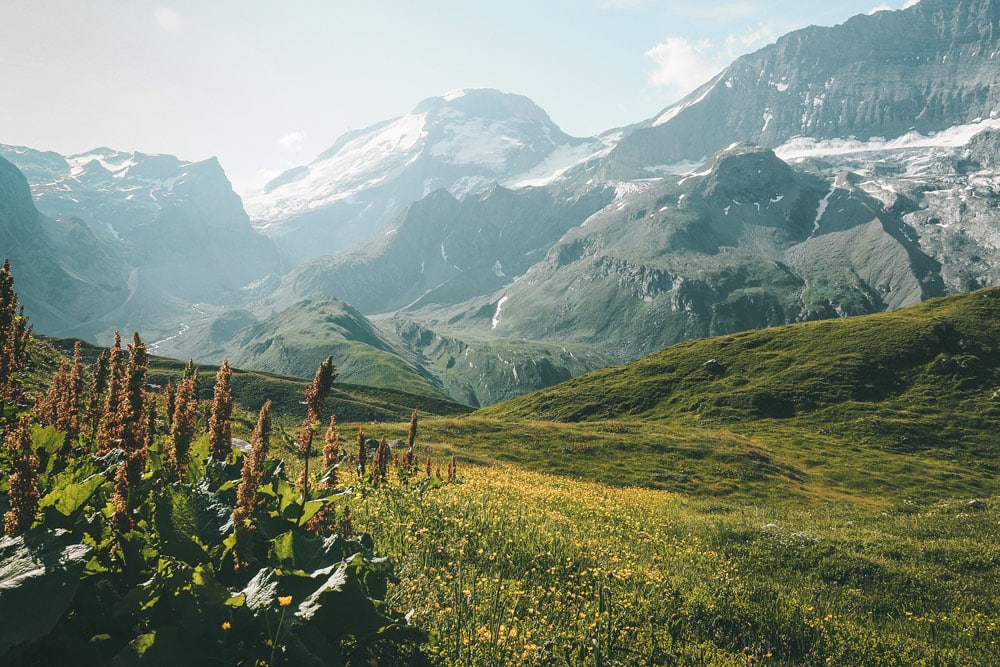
(350, 402)
(874, 409)
(299, 338)
(938, 359)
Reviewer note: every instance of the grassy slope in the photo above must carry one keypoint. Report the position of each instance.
(514, 567)
(870, 409)
(299, 338)
(350, 402)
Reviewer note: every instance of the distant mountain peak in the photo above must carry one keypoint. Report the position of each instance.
(748, 173)
(463, 141)
(486, 103)
(928, 68)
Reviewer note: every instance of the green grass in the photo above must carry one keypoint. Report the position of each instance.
(510, 567)
(350, 402)
(871, 409)
(892, 359)
(807, 499)
(298, 339)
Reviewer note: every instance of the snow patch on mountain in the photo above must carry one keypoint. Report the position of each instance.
(561, 160)
(496, 315)
(953, 137)
(824, 203)
(477, 141)
(360, 164)
(673, 110)
(464, 142)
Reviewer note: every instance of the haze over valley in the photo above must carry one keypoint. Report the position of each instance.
(600, 333)
(474, 247)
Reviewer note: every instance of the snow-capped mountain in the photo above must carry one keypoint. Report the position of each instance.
(111, 191)
(68, 279)
(881, 190)
(923, 69)
(462, 142)
(176, 229)
(839, 171)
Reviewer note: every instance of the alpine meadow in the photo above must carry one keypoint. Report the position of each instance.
(716, 388)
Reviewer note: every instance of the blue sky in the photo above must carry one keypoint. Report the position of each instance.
(266, 85)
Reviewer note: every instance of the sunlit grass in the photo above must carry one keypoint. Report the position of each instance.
(511, 567)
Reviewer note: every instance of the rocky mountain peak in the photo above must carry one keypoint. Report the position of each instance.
(925, 69)
(464, 142)
(484, 103)
(746, 173)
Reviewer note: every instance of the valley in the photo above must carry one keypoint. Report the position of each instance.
(717, 387)
(597, 251)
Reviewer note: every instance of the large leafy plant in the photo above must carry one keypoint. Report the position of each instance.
(76, 589)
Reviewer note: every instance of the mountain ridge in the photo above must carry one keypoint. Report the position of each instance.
(462, 142)
(881, 83)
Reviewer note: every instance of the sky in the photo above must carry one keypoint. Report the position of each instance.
(266, 85)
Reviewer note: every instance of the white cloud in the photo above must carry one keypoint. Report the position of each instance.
(886, 7)
(680, 65)
(292, 142)
(168, 19)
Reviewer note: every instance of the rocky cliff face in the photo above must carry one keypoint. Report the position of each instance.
(169, 233)
(67, 279)
(748, 242)
(927, 68)
(444, 251)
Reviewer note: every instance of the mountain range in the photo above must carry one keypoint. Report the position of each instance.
(472, 249)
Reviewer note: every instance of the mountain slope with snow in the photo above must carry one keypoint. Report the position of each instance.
(925, 69)
(176, 231)
(462, 142)
(751, 241)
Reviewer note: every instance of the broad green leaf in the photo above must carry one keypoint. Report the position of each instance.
(339, 607)
(292, 512)
(299, 551)
(47, 442)
(312, 508)
(47, 439)
(166, 646)
(287, 495)
(39, 576)
(261, 591)
(191, 523)
(63, 504)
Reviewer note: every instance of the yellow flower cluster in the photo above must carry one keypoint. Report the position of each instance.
(517, 568)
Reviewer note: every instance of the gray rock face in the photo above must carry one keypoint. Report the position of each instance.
(926, 68)
(443, 251)
(749, 242)
(983, 152)
(166, 233)
(66, 278)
